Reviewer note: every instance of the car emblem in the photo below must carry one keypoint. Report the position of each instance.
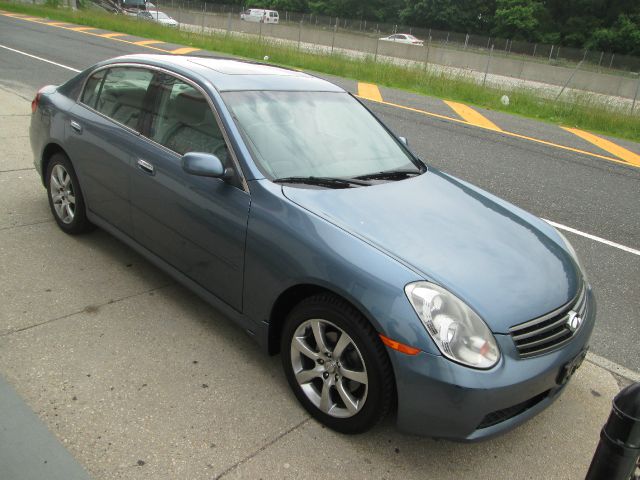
(574, 321)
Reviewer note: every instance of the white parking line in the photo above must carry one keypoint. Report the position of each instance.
(593, 237)
(40, 58)
(557, 225)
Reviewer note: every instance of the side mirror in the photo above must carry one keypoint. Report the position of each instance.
(204, 165)
(404, 141)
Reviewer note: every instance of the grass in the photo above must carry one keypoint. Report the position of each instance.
(580, 111)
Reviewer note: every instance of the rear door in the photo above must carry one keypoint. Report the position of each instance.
(102, 137)
(197, 224)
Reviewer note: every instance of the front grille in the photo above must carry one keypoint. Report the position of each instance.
(499, 416)
(550, 331)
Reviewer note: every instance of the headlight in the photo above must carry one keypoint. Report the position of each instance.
(458, 331)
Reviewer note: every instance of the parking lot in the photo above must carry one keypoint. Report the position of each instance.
(138, 378)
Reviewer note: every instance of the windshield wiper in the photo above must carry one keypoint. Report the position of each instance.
(330, 182)
(390, 175)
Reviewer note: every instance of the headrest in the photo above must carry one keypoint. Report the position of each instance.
(191, 108)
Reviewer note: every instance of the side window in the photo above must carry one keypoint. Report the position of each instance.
(123, 93)
(92, 89)
(183, 122)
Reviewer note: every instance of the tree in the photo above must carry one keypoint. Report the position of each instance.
(518, 19)
(468, 16)
(622, 37)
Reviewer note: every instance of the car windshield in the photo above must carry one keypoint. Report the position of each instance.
(315, 134)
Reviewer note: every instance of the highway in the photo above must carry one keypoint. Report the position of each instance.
(542, 168)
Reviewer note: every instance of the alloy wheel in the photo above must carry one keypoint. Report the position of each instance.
(329, 368)
(62, 194)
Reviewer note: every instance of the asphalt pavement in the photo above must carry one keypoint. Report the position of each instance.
(106, 349)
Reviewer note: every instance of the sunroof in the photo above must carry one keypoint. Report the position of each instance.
(233, 67)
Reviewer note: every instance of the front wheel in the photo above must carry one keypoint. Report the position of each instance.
(336, 365)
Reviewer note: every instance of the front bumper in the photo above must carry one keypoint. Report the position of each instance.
(439, 398)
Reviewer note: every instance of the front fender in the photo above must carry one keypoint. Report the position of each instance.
(288, 245)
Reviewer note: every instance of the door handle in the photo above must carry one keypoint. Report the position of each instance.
(145, 166)
(76, 126)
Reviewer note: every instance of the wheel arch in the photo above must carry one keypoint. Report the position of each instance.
(291, 297)
(49, 151)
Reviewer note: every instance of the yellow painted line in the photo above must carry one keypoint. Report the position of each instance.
(113, 34)
(182, 51)
(79, 29)
(146, 42)
(99, 35)
(369, 91)
(55, 24)
(472, 116)
(606, 145)
(505, 133)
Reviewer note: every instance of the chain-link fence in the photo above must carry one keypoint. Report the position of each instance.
(552, 54)
(549, 69)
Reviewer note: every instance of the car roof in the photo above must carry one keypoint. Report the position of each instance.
(234, 75)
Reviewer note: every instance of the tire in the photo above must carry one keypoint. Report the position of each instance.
(65, 196)
(350, 386)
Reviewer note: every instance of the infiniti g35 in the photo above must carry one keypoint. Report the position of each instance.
(284, 202)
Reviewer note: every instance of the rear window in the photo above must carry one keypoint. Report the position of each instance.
(92, 89)
(118, 93)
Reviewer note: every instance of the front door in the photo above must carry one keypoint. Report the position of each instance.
(197, 224)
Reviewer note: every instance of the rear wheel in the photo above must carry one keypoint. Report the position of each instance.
(65, 197)
(336, 364)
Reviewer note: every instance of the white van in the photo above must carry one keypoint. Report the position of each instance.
(260, 15)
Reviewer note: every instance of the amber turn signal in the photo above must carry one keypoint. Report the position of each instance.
(400, 347)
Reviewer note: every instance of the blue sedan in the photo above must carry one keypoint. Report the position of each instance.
(279, 198)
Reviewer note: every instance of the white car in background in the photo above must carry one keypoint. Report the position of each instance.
(159, 17)
(260, 15)
(403, 38)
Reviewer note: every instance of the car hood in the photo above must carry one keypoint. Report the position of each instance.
(506, 264)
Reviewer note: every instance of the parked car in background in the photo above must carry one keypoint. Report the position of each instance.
(403, 38)
(132, 7)
(159, 17)
(260, 15)
(280, 199)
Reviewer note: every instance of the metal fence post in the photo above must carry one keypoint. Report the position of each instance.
(260, 32)
(426, 60)
(551, 53)
(375, 57)
(333, 39)
(486, 70)
(569, 79)
(203, 18)
(635, 97)
(299, 34)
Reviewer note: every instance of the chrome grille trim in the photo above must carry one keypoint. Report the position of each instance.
(550, 331)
